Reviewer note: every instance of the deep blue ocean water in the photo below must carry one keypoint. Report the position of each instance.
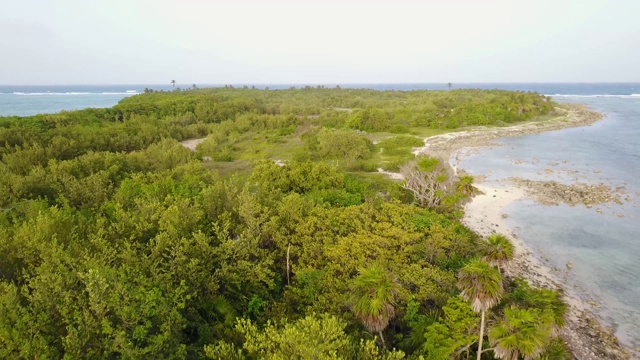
(604, 248)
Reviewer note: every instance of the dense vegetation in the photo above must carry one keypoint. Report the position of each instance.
(118, 242)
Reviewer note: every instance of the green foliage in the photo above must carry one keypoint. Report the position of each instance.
(480, 284)
(428, 164)
(336, 197)
(464, 185)
(305, 339)
(523, 295)
(556, 350)
(523, 333)
(396, 151)
(530, 323)
(374, 292)
(338, 144)
(369, 120)
(118, 242)
(312, 337)
(457, 329)
(298, 177)
(498, 250)
(399, 144)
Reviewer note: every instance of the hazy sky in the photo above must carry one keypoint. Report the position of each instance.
(309, 41)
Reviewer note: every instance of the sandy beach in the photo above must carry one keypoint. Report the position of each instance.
(485, 214)
(586, 338)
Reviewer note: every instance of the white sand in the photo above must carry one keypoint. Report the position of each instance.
(484, 215)
(392, 175)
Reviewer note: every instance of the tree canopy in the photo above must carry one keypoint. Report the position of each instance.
(118, 242)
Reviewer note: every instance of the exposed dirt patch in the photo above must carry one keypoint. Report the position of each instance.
(191, 144)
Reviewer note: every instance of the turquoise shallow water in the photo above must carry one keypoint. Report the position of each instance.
(604, 248)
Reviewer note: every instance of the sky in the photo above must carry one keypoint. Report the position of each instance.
(46, 42)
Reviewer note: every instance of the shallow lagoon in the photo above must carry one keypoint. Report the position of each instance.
(604, 248)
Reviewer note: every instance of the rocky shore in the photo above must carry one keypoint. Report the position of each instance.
(567, 116)
(553, 192)
(585, 336)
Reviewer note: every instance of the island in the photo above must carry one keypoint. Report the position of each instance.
(307, 223)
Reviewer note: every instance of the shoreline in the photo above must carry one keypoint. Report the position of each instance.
(446, 145)
(586, 337)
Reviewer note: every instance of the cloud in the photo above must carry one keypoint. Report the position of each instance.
(309, 41)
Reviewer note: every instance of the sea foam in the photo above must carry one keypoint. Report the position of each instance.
(629, 96)
(71, 93)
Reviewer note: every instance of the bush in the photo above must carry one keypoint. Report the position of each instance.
(336, 197)
(399, 145)
(360, 165)
(338, 144)
(399, 129)
(369, 120)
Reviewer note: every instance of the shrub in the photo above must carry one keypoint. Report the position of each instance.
(337, 144)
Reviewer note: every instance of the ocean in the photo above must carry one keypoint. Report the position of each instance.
(31, 100)
(604, 248)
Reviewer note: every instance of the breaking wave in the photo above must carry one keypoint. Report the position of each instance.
(18, 93)
(629, 96)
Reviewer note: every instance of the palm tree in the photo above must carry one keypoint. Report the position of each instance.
(542, 298)
(374, 292)
(499, 251)
(480, 284)
(465, 185)
(556, 350)
(523, 332)
(173, 82)
(219, 313)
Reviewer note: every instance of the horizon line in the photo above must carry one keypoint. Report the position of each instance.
(331, 83)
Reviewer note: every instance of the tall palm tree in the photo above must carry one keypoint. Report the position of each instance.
(523, 332)
(374, 292)
(173, 82)
(499, 251)
(481, 284)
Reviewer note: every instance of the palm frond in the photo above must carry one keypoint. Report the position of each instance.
(480, 284)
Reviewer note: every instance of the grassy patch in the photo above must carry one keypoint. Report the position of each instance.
(392, 152)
